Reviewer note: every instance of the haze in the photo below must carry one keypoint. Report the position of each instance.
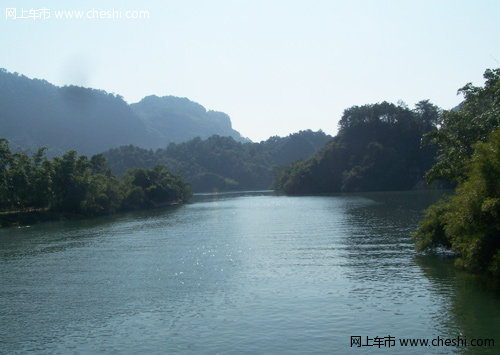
(275, 67)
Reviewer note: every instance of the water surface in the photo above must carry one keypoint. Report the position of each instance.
(228, 273)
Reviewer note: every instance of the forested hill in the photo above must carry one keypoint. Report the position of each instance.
(35, 113)
(378, 147)
(221, 163)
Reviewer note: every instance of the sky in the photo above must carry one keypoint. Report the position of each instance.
(276, 67)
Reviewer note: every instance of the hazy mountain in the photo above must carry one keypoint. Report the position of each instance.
(35, 113)
(175, 119)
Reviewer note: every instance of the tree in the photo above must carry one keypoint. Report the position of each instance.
(73, 184)
(70, 182)
(222, 163)
(477, 117)
(103, 196)
(378, 147)
(41, 179)
(428, 113)
(5, 161)
(469, 222)
(99, 165)
(18, 181)
(153, 187)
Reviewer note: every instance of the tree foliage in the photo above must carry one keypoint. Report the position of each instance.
(468, 222)
(74, 184)
(221, 163)
(378, 147)
(156, 186)
(460, 129)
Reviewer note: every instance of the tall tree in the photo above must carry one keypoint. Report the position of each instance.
(460, 129)
(469, 155)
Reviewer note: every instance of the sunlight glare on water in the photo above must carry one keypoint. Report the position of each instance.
(231, 273)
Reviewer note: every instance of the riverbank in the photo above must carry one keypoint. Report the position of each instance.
(28, 217)
(34, 216)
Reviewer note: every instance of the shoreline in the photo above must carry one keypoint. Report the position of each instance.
(32, 216)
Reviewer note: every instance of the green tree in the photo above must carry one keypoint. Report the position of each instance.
(70, 182)
(99, 165)
(153, 187)
(41, 179)
(5, 161)
(461, 128)
(469, 155)
(104, 195)
(18, 181)
(221, 163)
(428, 113)
(469, 222)
(378, 147)
(74, 184)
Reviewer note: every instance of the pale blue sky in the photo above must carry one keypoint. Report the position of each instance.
(275, 67)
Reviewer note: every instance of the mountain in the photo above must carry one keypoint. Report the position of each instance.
(221, 163)
(176, 119)
(35, 113)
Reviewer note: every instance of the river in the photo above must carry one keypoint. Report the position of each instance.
(241, 273)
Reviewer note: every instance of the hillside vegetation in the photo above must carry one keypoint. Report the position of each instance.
(221, 163)
(378, 147)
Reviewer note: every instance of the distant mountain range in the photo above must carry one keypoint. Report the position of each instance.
(35, 113)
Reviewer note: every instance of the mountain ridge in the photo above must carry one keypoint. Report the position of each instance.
(34, 113)
(162, 112)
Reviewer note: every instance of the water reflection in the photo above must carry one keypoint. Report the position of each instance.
(254, 274)
(472, 302)
(51, 237)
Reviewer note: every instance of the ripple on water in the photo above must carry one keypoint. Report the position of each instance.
(254, 274)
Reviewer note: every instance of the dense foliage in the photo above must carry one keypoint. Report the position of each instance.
(75, 184)
(35, 113)
(221, 163)
(469, 221)
(378, 147)
(477, 117)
